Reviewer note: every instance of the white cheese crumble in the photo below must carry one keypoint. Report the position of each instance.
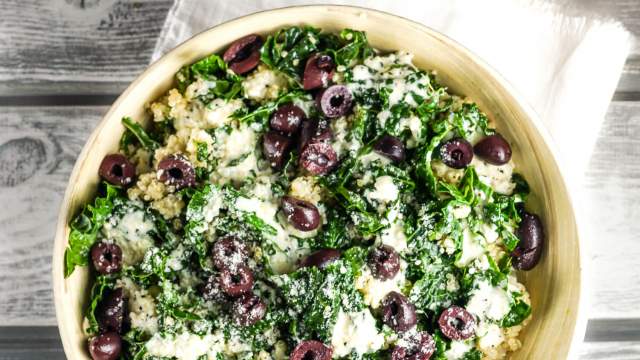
(497, 177)
(264, 84)
(457, 350)
(489, 336)
(394, 235)
(355, 332)
(471, 248)
(374, 290)
(489, 301)
(185, 346)
(131, 234)
(218, 112)
(384, 190)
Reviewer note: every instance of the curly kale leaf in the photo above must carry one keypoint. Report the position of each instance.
(262, 113)
(101, 284)
(135, 131)
(335, 234)
(315, 296)
(288, 49)
(85, 227)
(519, 311)
(226, 84)
(503, 211)
(197, 217)
(355, 47)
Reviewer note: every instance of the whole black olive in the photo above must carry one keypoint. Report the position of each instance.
(313, 131)
(390, 147)
(318, 72)
(177, 171)
(111, 310)
(301, 214)
(397, 312)
(456, 323)
(236, 281)
(334, 101)
(311, 350)
(318, 158)
(243, 55)
(320, 258)
(493, 149)
(117, 170)
(287, 119)
(106, 258)
(456, 153)
(107, 346)
(421, 347)
(248, 309)
(384, 262)
(529, 250)
(274, 148)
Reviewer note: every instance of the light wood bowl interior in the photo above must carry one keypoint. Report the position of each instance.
(555, 285)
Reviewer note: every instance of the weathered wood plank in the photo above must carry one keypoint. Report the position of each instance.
(72, 46)
(610, 351)
(98, 47)
(38, 146)
(612, 202)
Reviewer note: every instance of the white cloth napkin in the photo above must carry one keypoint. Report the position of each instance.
(566, 67)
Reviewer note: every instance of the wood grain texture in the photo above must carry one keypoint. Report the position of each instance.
(89, 46)
(610, 351)
(38, 147)
(99, 46)
(611, 200)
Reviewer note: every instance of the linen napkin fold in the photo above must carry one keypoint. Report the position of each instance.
(566, 67)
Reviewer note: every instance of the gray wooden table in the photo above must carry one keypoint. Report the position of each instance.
(63, 62)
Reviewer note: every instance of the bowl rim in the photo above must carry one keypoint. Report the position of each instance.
(61, 236)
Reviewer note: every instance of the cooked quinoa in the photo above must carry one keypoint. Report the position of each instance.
(306, 196)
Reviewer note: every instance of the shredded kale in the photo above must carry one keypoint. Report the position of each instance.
(315, 296)
(85, 227)
(262, 113)
(519, 311)
(102, 283)
(224, 84)
(135, 130)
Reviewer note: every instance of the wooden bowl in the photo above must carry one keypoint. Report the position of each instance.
(555, 285)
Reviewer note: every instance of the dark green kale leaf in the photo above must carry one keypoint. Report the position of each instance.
(288, 49)
(135, 131)
(212, 68)
(334, 234)
(196, 221)
(355, 47)
(367, 222)
(519, 311)
(262, 113)
(424, 155)
(473, 354)
(503, 212)
(136, 340)
(429, 270)
(468, 120)
(315, 296)
(101, 284)
(85, 227)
